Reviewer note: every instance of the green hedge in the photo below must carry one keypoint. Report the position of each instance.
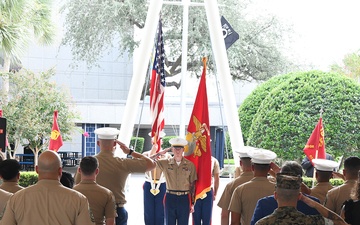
(334, 182)
(138, 143)
(28, 178)
(281, 114)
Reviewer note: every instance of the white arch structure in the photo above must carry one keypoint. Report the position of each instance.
(221, 60)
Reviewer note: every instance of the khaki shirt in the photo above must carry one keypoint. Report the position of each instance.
(11, 186)
(320, 191)
(47, 202)
(113, 172)
(338, 195)
(178, 177)
(225, 198)
(101, 200)
(245, 197)
(4, 197)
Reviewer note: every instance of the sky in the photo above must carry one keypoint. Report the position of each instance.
(325, 30)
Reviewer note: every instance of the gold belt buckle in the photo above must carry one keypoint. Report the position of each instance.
(203, 196)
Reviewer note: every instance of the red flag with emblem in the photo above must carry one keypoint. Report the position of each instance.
(198, 149)
(315, 146)
(55, 138)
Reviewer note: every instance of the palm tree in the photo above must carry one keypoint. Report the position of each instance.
(20, 22)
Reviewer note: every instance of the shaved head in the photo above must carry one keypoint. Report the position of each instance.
(49, 165)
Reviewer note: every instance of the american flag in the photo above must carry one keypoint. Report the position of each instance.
(157, 89)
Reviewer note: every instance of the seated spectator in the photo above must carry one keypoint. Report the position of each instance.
(10, 173)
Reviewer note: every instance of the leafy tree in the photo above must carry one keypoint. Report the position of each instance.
(350, 67)
(288, 113)
(29, 112)
(94, 27)
(22, 21)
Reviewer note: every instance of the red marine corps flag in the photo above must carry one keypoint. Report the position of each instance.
(55, 138)
(157, 89)
(315, 146)
(198, 149)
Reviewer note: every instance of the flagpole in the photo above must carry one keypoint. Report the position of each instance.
(223, 69)
(184, 67)
(133, 100)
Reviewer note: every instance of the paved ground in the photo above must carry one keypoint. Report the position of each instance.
(134, 197)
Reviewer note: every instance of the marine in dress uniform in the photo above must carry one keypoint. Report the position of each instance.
(113, 171)
(48, 201)
(203, 207)
(10, 173)
(245, 176)
(338, 195)
(245, 197)
(180, 175)
(324, 169)
(154, 191)
(101, 200)
(287, 193)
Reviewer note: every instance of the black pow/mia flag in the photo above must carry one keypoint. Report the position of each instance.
(230, 35)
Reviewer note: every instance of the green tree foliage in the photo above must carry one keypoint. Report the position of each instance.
(22, 21)
(289, 111)
(29, 112)
(350, 67)
(93, 27)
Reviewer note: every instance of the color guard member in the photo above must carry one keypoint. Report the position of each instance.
(203, 206)
(180, 175)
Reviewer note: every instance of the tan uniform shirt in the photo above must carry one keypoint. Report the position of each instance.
(11, 186)
(215, 167)
(113, 172)
(320, 191)
(101, 200)
(225, 198)
(4, 197)
(245, 197)
(47, 202)
(178, 177)
(338, 195)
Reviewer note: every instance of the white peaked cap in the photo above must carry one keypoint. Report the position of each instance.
(325, 164)
(262, 156)
(178, 141)
(107, 133)
(244, 150)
